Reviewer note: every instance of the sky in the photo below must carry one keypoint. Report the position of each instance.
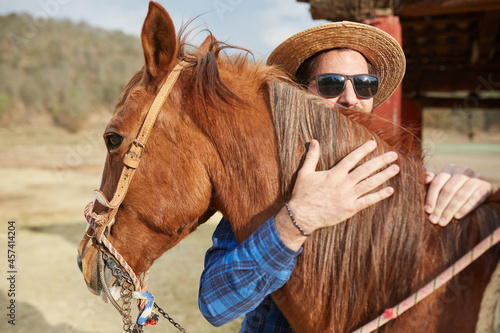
(257, 25)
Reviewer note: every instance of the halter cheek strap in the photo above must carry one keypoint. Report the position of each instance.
(133, 157)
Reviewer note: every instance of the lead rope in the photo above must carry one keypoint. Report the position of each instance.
(446, 276)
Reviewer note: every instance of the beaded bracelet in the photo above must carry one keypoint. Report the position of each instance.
(295, 222)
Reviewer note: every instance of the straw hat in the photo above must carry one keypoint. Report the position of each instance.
(382, 50)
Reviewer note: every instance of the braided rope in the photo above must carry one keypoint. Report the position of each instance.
(147, 300)
(446, 276)
(144, 304)
(135, 280)
(92, 219)
(145, 281)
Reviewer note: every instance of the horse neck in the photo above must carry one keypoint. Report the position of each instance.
(245, 177)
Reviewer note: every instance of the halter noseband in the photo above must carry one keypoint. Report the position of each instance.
(102, 223)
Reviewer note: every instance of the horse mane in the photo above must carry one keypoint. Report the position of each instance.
(375, 258)
(359, 253)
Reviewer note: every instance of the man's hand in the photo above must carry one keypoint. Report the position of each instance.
(454, 192)
(324, 198)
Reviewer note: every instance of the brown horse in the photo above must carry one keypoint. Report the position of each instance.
(230, 138)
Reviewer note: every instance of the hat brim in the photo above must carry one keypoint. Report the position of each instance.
(381, 49)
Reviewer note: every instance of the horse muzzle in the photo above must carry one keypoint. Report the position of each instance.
(98, 268)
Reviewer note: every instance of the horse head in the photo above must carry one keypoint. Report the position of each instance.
(189, 155)
(170, 194)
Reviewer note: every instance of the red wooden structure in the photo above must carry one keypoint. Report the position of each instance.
(452, 49)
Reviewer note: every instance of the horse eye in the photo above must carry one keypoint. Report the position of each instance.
(113, 141)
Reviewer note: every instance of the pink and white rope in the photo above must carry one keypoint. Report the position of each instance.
(446, 276)
(138, 286)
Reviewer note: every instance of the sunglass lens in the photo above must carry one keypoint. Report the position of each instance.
(366, 86)
(330, 85)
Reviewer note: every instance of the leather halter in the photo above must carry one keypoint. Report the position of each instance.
(133, 157)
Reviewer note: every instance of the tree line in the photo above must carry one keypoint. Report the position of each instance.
(67, 70)
(63, 69)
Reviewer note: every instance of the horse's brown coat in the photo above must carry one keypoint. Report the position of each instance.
(230, 138)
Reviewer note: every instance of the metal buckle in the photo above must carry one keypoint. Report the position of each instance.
(137, 143)
(134, 154)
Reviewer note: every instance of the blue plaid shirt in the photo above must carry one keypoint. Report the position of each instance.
(238, 278)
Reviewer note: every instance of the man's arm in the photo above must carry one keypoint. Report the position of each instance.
(454, 193)
(237, 277)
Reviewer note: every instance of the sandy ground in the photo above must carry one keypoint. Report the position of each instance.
(47, 176)
(482, 155)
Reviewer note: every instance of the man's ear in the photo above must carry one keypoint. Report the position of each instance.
(159, 41)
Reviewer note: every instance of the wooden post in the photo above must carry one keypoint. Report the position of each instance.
(411, 117)
(391, 109)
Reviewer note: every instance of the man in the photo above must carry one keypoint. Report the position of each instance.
(354, 66)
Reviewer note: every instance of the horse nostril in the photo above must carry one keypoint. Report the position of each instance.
(79, 261)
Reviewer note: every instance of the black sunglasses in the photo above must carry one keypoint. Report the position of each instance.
(332, 85)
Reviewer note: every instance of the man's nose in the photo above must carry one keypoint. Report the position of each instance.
(348, 97)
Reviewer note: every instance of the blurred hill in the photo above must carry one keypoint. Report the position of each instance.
(60, 72)
(63, 73)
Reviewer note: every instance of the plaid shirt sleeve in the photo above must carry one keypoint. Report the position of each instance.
(237, 277)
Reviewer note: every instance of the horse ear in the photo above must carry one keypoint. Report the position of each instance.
(206, 45)
(159, 41)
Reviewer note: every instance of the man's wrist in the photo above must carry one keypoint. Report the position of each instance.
(293, 220)
(291, 236)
